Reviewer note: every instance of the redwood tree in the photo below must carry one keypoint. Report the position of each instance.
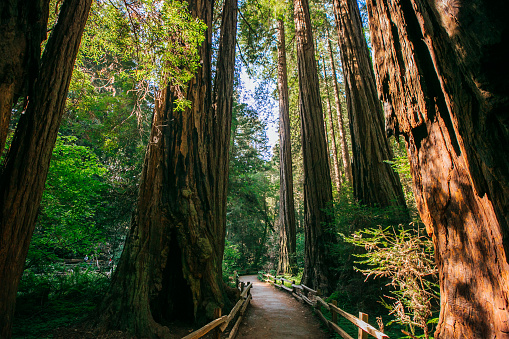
(287, 234)
(25, 168)
(442, 75)
(345, 154)
(317, 180)
(22, 30)
(374, 181)
(335, 162)
(171, 264)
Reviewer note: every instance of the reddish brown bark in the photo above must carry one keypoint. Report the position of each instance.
(332, 138)
(345, 154)
(317, 181)
(374, 181)
(22, 29)
(287, 234)
(442, 77)
(171, 265)
(26, 166)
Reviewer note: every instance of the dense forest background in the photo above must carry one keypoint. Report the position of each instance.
(377, 253)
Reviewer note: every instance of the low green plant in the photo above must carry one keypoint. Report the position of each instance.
(231, 257)
(56, 298)
(405, 257)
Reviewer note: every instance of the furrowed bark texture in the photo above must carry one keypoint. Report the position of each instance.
(442, 75)
(287, 225)
(317, 181)
(22, 29)
(345, 154)
(221, 119)
(374, 182)
(26, 166)
(332, 138)
(171, 265)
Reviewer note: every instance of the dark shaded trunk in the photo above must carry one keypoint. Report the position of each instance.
(345, 154)
(374, 182)
(221, 118)
(171, 265)
(26, 165)
(287, 235)
(22, 30)
(317, 181)
(332, 138)
(442, 75)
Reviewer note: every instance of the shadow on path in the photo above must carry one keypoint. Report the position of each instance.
(275, 314)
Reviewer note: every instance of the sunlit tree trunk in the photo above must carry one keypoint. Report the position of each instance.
(374, 182)
(26, 166)
(287, 234)
(345, 154)
(171, 264)
(22, 29)
(442, 75)
(332, 138)
(317, 181)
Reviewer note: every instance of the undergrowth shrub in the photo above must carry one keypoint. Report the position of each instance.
(56, 298)
(405, 257)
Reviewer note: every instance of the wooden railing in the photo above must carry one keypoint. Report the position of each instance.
(312, 298)
(220, 324)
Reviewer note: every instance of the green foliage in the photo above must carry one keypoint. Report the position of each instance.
(55, 299)
(231, 258)
(160, 36)
(250, 211)
(73, 209)
(407, 258)
(401, 165)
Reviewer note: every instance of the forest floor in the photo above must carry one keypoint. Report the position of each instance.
(275, 314)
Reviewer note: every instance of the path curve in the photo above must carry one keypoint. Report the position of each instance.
(275, 314)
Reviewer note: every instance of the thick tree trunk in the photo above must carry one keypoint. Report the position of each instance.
(171, 265)
(22, 30)
(442, 75)
(26, 166)
(375, 183)
(317, 182)
(345, 154)
(332, 139)
(287, 235)
(220, 119)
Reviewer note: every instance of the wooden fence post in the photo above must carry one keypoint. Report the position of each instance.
(362, 334)
(217, 331)
(242, 286)
(334, 314)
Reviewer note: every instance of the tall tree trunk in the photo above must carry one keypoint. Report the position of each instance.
(26, 166)
(221, 119)
(22, 30)
(442, 75)
(317, 182)
(345, 154)
(335, 162)
(171, 265)
(287, 235)
(375, 183)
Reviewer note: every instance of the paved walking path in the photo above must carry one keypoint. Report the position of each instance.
(275, 314)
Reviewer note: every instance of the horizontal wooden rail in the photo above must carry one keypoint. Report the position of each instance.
(221, 323)
(309, 289)
(207, 328)
(361, 324)
(310, 296)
